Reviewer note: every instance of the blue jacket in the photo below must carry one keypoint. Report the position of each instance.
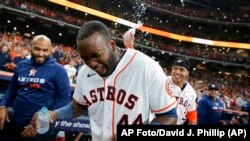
(247, 109)
(210, 111)
(36, 85)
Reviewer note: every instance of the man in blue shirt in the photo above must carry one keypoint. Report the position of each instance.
(210, 108)
(36, 83)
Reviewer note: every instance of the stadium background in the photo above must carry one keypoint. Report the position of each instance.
(225, 20)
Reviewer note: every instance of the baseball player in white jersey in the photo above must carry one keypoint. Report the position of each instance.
(119, 86)
(184, 92)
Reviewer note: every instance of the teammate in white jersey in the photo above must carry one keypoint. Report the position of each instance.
(119, 86)
(184, 92)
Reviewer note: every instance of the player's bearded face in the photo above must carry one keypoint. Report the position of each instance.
(110, 65)
(40, 51)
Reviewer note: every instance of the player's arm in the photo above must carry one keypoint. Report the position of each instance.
(128, 39)
(75, 108)
(72, 110)
(11, 92)
(168, 118)
(192, 112)
(192, 117)
(8, 98)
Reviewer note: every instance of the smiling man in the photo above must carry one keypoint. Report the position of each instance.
(37, 82)
(183, 91)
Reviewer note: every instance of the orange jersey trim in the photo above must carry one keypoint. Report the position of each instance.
(192, 116)
(113, 110)
(165, 108)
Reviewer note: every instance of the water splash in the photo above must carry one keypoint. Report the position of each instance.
(139, 10)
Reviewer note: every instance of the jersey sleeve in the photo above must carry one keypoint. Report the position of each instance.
(192, 111)
(193, 103)
(161, 99)
(78, 93)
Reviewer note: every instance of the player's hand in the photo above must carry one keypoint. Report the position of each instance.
(3, 116)
(53, 116)
(128, 39)
(29, 131)
(34, 123)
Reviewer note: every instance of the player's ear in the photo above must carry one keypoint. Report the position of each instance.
(112, 44)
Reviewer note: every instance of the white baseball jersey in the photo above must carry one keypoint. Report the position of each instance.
(186, 100)
(137, 85)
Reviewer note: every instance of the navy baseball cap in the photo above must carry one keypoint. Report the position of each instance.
(213, 87)
(182, 62)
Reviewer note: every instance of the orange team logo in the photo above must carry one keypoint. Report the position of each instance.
(32, 72)
(168, 90)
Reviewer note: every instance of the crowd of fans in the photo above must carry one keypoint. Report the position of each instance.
(45, 11)
(215, 54)
(217, 14)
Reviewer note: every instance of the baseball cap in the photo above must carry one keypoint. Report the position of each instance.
(213, 87)
(182, 62)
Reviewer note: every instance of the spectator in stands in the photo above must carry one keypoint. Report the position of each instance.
(71, 70)
(223, 100)
(17, 59)
(108, 73)
(4, 58)
(210, 108)
(56, 53)
(240, 102)
(36, 82)
(79, 64)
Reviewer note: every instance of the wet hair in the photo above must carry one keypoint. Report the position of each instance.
(92, 27)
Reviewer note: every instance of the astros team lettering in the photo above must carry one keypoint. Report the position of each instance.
(123, 98)
(183, 102)
(35, 80)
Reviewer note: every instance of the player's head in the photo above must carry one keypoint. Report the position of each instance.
(97, 48)
(213, 90)
(41, 48)
(180, 70)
